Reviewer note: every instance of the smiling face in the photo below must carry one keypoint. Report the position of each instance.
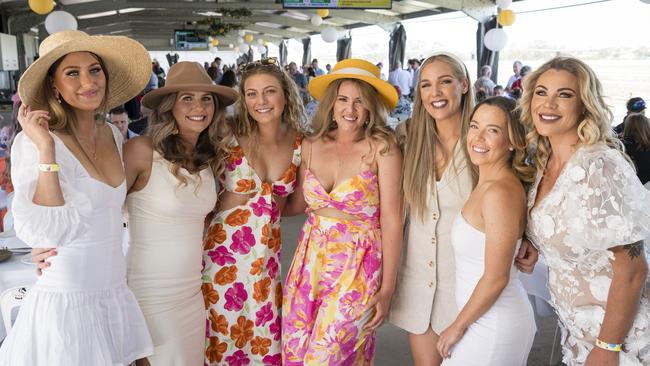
(348, 110)
(193, 111)
(487, 136)
(264, 98)
(441, 91)
(80, 80)
(556, 106)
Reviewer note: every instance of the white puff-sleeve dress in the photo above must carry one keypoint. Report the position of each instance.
(597, 203)
(80, 311)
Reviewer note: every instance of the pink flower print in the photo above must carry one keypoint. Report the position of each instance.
(346, 338)
(371, 264)
(280, 190)
(264, 315)
(276, 328)
(220, 255)
(235, 297)
(272, 360)
(275, 212)
(349, 303)
(272, 266)
(238, 358)
(243, 240)
(261, 207)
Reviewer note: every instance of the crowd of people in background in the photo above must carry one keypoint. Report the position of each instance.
(426, 194)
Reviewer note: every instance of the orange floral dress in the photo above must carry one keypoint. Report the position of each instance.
(241, 277)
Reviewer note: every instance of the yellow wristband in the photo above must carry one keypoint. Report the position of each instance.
(614, 347)
(49, 168)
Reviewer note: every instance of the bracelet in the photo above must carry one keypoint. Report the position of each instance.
(614, 347)
(49, 168)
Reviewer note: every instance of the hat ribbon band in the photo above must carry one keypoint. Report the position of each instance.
(354, 70)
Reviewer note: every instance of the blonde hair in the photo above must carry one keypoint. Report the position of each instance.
(168, 143)
(422, 139)
(516, 136)
(595, 126)
(375, 128)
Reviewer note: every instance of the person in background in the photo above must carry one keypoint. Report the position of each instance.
(317, 70)
(139, 126)
(160, 73)
(301, 81)
(499, 91)
(516, 68)
(380, 66)
(634, 105)
(414, 70)
(588, 214)
(120, 119)
(636, 138)
(484, 83)
(401, 79)
(328, 68)
(518, 84)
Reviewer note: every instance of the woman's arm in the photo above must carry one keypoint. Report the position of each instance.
(296, 204)
(630, 270)
(389, 171)
(138, 157)
(503, 222)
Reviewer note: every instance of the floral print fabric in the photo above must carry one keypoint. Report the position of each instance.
(241, 277)
(336, 270)
(597, 203)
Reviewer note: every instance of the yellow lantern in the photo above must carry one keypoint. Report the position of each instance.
(215, 42)
(41, 7)
(322, 13)
(248, 38)
(506, 17)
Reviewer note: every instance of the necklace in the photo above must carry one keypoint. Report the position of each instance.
(93, 155)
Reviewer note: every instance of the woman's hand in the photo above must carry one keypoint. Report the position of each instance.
(526, 257)
(36, 127)
(381, 303)
(448, 338)
(602, 357)
(39, 256)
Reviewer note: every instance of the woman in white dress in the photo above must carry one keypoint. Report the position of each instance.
(588, 215)
(170, 175)
(496, 325)
(69, 185)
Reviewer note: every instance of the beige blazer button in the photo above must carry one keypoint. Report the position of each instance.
(431, 284)
(433, 240)
(430, 263)
(435, 216)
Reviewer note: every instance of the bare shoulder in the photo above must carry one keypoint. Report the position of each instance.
(139, 148)
(506, 194)
(391, 153)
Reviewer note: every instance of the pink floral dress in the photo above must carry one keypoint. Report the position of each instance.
(241, 278)
(335, 271)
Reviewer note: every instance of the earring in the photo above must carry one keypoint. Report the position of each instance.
(511, 148)
(58, 98)
(175, 130)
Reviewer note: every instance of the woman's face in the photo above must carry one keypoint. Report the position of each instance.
(80, 81)
(556, 106)
(487, 136)
(264, 98)
(441, 91)
(348, 110)
(193, 111)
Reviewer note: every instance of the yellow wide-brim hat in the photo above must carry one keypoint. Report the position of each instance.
(127, 62)
(354, 68)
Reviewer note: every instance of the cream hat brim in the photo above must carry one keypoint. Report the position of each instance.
(127, 62)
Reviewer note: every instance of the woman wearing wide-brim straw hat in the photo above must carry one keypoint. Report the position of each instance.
(70, 187)
(340, 284)
(170, 175)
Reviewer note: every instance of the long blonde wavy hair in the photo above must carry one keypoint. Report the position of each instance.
(375, 128)
(422, 138)
(169, 144)
(595, 124)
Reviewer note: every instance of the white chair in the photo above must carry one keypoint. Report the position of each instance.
(9, 300)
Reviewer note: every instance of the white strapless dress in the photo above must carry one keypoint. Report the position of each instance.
(504, 335)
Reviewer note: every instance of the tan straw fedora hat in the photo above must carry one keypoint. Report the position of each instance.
(354, 68)
(189, 76)
(127, 62)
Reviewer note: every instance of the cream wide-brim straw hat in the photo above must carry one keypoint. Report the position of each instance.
(127, 62)
(353, 68)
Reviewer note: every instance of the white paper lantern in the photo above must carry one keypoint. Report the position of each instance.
(329, 34)
(496, 39)
(213, 50)
(244, 47)
(240, 40)
(241, 32)
(316, 20)
(260, 41)
(60, 20)
(261, 48)
(230, 45)
(504, 4)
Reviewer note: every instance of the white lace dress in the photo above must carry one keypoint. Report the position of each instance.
(596, 203)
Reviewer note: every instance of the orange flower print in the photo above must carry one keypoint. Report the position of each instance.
(278, 295)
(261, 290)
(238, 217)
(260, 346)
(274, 240)
(210, 295)
(215, 350)
(245, 185)
(236, 153)
(218, 323)
(216, 235)
(256, 267)
(265, 234)
(226, 275)
(242, 332)
(267, 188)
(289, 175)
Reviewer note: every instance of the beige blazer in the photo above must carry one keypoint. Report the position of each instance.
(428, 254)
